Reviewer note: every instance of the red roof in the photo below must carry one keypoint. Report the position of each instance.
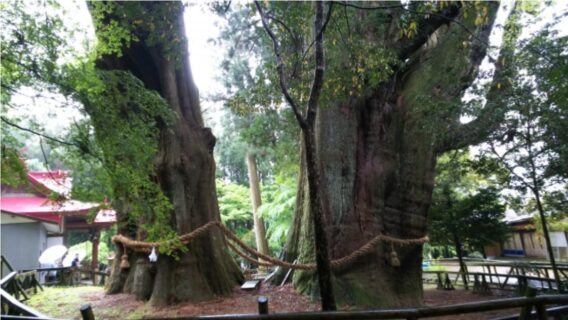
(52, 181)
(44, 209)
(30, 207)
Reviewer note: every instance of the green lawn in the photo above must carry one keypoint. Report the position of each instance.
(64, 303)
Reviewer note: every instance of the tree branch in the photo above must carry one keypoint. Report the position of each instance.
(459, 23)
(511, 170)
(472, 133)
(352, 5)
(280, 67)
(8, 122)
(317, 83)
(429, 25)
(295, 41)
(446, 16)
(493, 112)
(319, 33)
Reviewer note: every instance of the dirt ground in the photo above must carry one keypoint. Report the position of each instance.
(281, 299)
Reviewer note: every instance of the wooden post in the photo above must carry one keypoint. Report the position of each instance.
(7, 263)
(541, 311)
(448, 283)
(476, 284)
(95, 250)
(439, 284)
(87, 312)
(548, 280)
(507, 278)
(490, 275)
(526, 311)
(262, 305)
(495, 270)
(484, 285)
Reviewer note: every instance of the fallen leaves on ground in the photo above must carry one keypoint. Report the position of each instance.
(281, 300)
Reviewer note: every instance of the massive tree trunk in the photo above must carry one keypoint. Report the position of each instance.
(378, 157)
(184, 165)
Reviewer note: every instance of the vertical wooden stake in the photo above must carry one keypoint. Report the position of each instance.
(526, 311)
(541, 311)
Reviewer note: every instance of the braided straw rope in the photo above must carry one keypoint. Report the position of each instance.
(142, 246)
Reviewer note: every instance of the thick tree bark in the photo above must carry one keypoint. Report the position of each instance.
(259, 229)
(377, 158)
(318, 205)
(185, 171)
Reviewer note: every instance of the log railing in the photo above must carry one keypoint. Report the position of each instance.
(499, 280)
(12, 305)
(64, 275)
(539, 303)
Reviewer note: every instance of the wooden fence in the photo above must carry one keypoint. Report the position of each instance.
(19, 284)
(13, 306)
(516, 276)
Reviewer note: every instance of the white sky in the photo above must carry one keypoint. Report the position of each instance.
(201, 26)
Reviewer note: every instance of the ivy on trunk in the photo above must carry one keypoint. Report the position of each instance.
(147, 40)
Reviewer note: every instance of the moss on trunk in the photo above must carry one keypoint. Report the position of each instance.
(184, 165)
(378, 164)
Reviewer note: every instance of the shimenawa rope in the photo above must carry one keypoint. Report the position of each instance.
(268, 261)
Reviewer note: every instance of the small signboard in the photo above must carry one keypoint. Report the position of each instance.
(250, 285)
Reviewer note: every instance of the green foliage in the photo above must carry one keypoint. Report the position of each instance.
(235, 207)
(76, 237)
(354, 64)
(279, 200)
(120, 25)
(85, 248)
(131, 116)
(436, 251)
(544, 57)
(14, 172)
(119, 161)
(531, 141)
(271, 135)
(30, 46)
(436, 267)
(116, 159)
(465, 205)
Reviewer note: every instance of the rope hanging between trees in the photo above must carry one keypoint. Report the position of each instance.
(268, 261)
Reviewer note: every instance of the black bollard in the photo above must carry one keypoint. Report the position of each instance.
(262, 305)
(87, 312)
